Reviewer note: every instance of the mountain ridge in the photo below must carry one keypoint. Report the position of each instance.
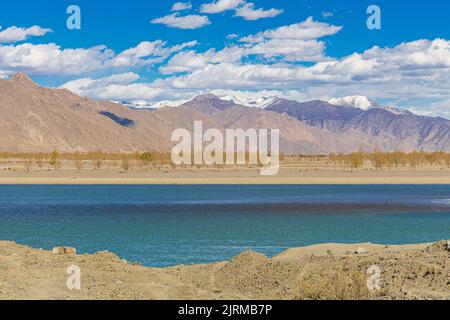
(39, 119)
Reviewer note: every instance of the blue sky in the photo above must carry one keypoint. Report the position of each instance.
(311, 49)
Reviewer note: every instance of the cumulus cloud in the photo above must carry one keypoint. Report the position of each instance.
(242, 9)
(421, 61)
(270, 44)
(306, 30)
(115, 87)
(290, 51)
(81, 86)
(189, 61)
(16, 34)
(191, 21)
(51, 59)
(147, 53)
(219, 6)
(248, 12)
(180, 6)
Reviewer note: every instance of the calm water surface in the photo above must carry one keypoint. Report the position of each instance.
(168, 225)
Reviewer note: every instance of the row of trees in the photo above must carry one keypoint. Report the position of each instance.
(96, 160)
(145, 160)
(389, 160)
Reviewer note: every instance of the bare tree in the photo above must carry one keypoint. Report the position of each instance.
(78, 161)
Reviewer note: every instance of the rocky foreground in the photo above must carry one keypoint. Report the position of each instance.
(328, 271)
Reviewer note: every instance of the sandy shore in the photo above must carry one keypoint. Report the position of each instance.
(287, 175)
(327, 271)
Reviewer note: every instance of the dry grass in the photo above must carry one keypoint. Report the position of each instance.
(342, 284)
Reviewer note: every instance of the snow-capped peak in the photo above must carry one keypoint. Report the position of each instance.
(364, 103)
(257, 102)
(142, 104)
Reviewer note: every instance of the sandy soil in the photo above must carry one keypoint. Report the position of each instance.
(328, 271)
(305, 174)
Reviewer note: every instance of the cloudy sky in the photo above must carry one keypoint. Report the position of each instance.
(169, 50)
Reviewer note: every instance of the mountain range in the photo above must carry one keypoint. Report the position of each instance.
(39, 119)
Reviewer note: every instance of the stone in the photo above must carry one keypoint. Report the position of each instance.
(64, 250)
(361, 250)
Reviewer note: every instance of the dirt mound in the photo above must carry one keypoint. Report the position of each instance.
(406, 272)
(256, 275)
(441, 246)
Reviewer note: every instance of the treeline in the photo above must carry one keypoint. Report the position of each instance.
(92, 160)
(101, 160)
(389, 160)
(145, 160)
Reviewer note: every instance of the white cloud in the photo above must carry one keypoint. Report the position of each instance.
(51, 59)
(180, 6)
(269, 45)
(189, 61)
(115, 87)
(232, 36)
(81, 86)
(219, 6)
(174, 20)
(242, 9)
(360, 102)
(248, 12)
(441, 108)
(147, 53)
(289, 51)
(306, 30)
(186, 61)
(5, 74)
(15, 34)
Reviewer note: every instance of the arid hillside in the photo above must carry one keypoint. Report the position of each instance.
(38, 119)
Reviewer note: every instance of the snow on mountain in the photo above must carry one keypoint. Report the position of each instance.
(142, 104)
(264, 101)
(257, 102)
(244, 99)
(364, 103)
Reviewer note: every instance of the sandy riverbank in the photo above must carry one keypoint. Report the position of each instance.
(287, 175)
(327, 271)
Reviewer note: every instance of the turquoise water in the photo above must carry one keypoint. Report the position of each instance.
(169, 225)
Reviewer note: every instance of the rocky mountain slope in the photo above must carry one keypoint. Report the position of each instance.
(38, 119)
(380, 128)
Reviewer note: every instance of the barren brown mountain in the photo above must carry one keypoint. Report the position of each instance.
(38, 119)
